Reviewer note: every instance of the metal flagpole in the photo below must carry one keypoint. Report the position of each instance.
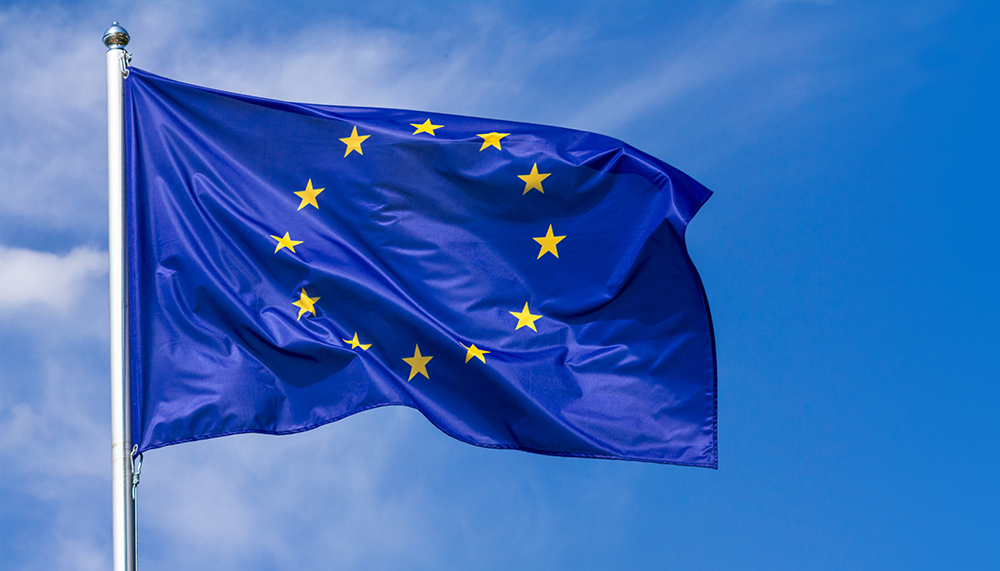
(123, 506)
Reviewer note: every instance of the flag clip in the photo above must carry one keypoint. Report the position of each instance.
(125, 60)
(136, 468)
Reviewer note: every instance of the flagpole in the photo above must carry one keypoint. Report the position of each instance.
(122, 504)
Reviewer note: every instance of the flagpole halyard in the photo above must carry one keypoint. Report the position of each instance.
(123, 506)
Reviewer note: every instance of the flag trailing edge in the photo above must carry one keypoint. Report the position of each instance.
(522, 286)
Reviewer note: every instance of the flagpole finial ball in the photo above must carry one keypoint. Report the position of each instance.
(115, 37)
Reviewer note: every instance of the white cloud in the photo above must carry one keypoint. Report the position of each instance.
(78, 553)
(43, 281)
(326, 495)
(54, 423)
(54, 414)
(338, 62)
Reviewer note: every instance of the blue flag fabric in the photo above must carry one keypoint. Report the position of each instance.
(522, 286)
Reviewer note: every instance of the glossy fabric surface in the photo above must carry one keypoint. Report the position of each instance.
(419, 240)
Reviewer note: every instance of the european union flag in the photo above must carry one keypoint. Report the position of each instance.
(522, 286)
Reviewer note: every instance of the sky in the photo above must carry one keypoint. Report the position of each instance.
(849, 254)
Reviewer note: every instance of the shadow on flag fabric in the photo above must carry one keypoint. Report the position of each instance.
(522, 286)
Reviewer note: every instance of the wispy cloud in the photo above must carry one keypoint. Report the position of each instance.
(480, 60)
(42, 281)
(54, 425)
(260, 498)
(761, 61)
(52, 115)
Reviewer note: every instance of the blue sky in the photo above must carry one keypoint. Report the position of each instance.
(849, 254)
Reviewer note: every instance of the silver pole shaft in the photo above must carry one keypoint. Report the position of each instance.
(122, 505)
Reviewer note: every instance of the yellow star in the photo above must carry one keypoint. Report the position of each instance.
(309, 195)
(425, 127)
(492, 140)
(355, 343)
(474, 352)
(354, 142)
(548, 242)
(533, 179)
(285, 242)
(305, 304)
(417, 363)
(525, 318)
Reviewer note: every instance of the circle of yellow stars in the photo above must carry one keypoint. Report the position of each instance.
(418, 362)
